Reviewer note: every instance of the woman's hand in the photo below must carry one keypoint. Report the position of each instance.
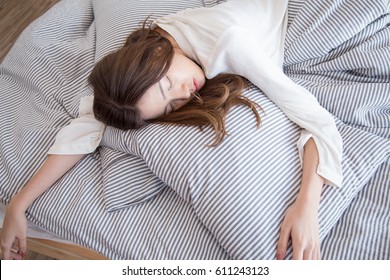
(301, 225)
(301, 220)
(13, 234)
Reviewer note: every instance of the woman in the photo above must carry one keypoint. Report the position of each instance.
(187, 68)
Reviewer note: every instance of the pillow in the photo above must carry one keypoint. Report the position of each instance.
(241, 189)
(124, 170)
(114, 21)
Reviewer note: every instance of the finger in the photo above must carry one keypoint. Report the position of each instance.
(6, 253)
(22, 246)
(297, 251)
(6, 249)
(318, 253)
(8, 245)
(315, 252)
(283, 242)
(308, 254)
(297, 254)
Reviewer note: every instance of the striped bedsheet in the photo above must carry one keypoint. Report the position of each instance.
(363, 230)
(114, 203)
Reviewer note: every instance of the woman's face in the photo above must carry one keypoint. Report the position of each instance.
(174, 90)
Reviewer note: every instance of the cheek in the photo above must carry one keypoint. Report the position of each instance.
(151, 110)
(199, 71)
(197, 68)
(181, 103)
(190, 66)
(150, 105)
(186, 68)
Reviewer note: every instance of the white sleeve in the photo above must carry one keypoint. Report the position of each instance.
(82, 135)
(241, 54)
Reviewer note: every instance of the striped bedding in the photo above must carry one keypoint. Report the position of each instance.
(160, 193)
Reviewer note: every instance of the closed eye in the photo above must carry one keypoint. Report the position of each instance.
(170, 83)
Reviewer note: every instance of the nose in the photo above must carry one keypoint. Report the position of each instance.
(182, 91)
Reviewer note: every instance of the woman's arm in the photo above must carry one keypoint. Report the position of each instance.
(301, 220)
(13, 235)
(240, 54)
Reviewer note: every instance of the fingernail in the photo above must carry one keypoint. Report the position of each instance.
(23, 254)
(279, 256)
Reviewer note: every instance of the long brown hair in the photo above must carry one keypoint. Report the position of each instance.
(121, 78)
(212, 104)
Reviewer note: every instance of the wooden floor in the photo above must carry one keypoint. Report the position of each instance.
(15, 16)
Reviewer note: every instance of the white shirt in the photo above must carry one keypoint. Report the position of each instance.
(244, 37)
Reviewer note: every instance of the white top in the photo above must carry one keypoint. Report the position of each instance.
(82, 135)
(244, 37)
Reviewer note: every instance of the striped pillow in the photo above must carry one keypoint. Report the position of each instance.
(114, 22)
(117, 18)
(241, 189)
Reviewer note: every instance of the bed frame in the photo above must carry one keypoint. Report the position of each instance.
(62, 251)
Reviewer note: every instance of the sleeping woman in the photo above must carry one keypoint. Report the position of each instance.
(190, 68)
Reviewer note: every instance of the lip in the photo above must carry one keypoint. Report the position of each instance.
(196, 84)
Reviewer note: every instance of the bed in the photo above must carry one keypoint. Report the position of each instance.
(160, 192)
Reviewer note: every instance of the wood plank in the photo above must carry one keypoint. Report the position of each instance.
(50, 249)
(62, 251)
(15, 16)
